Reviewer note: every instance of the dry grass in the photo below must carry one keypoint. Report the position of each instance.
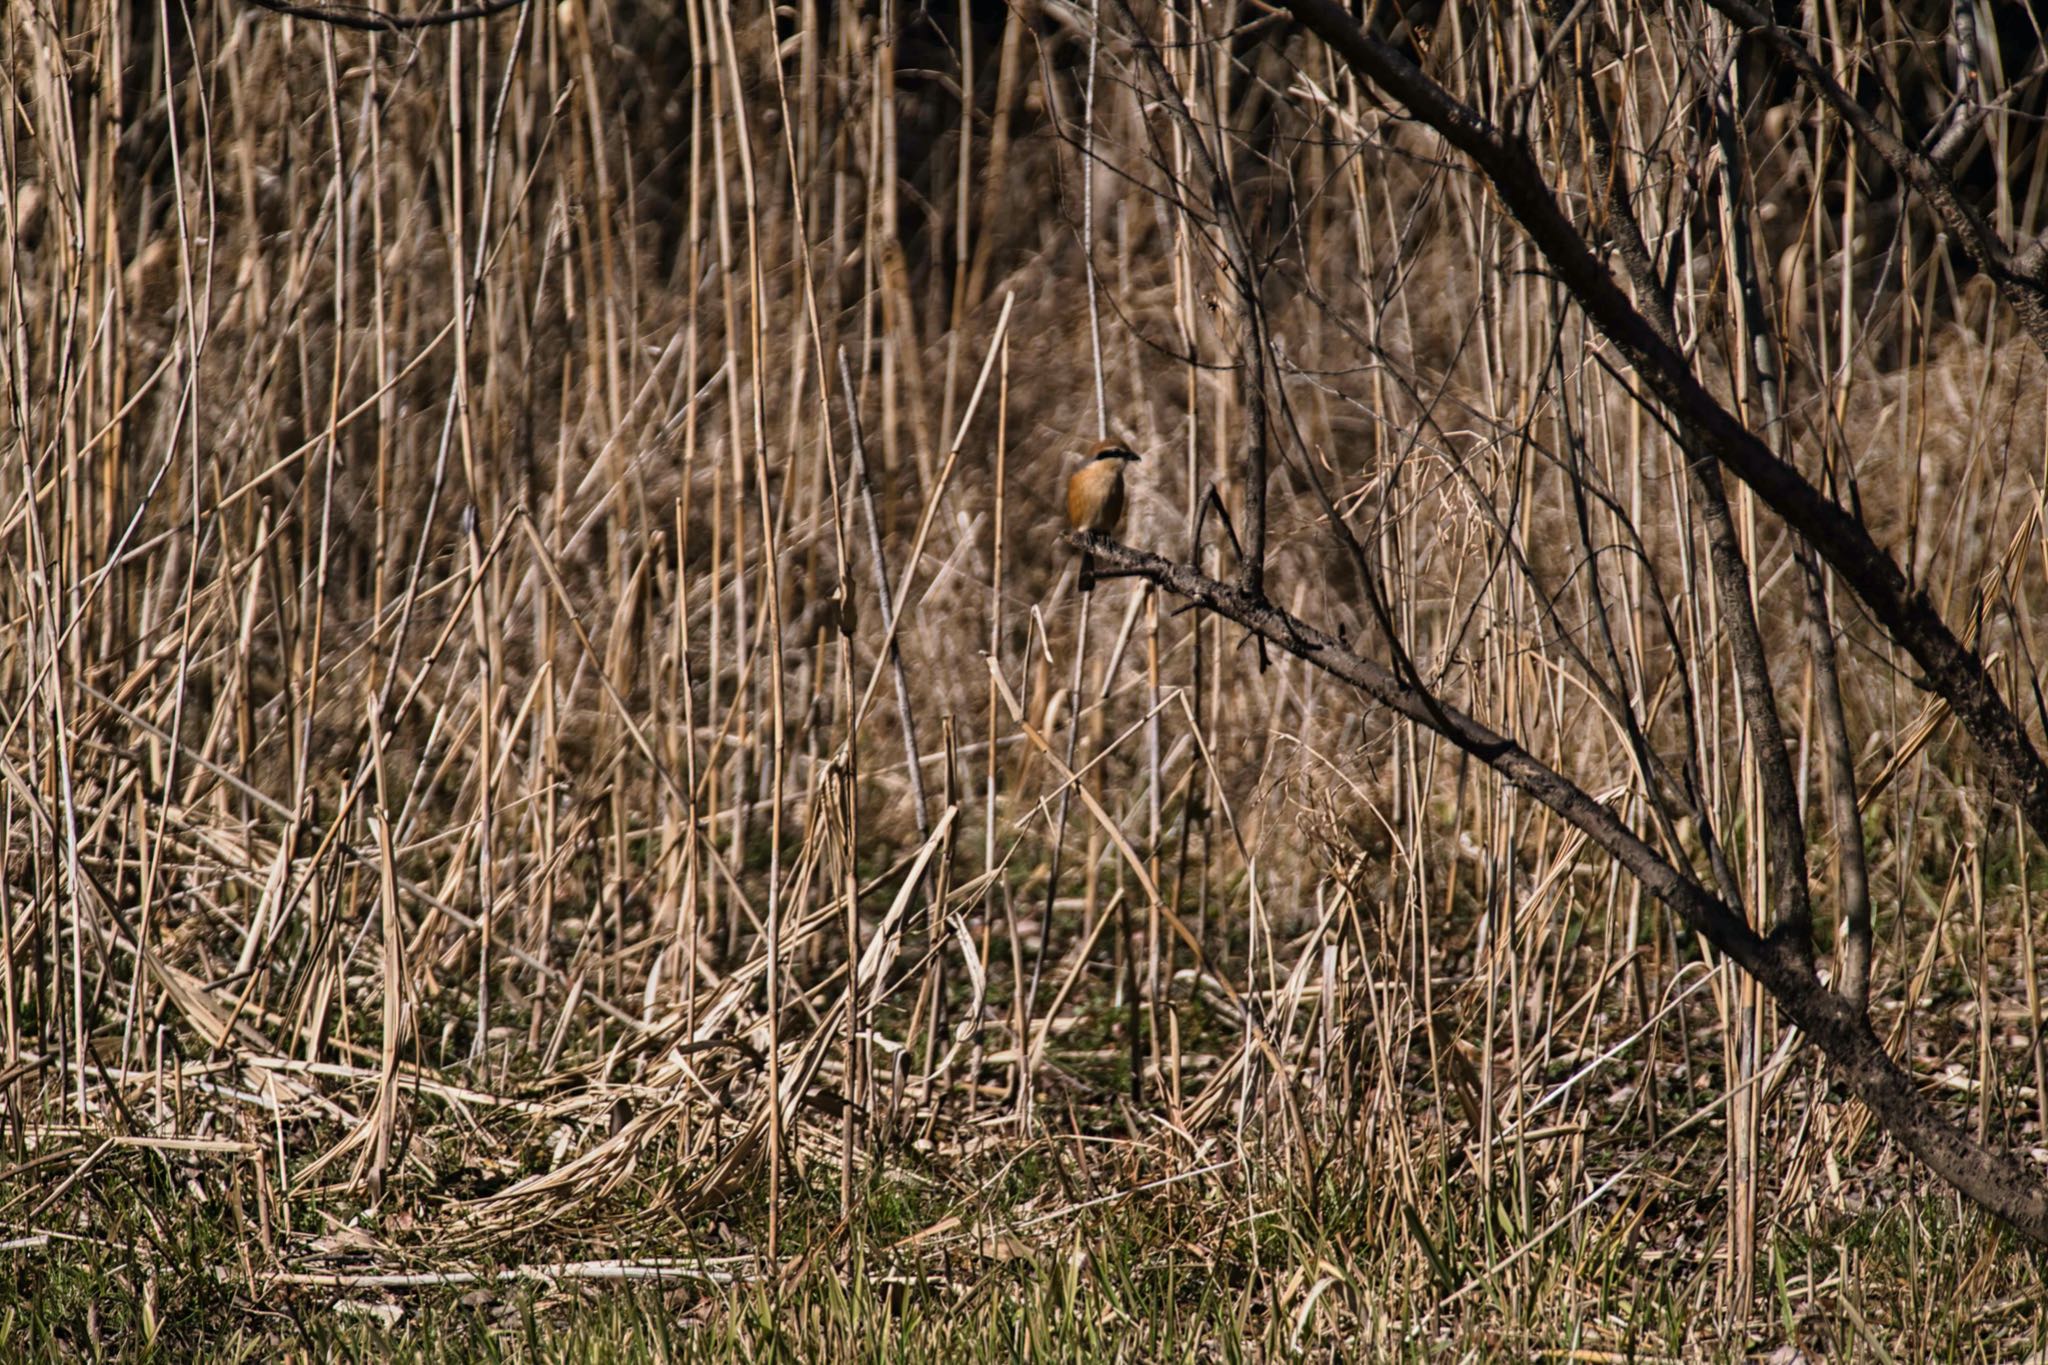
(442, 811)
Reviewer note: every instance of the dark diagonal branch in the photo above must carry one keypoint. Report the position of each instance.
(1706, 429)
(1995, 1180)
(365, 19)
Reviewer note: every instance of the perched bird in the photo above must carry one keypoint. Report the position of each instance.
(1095, 498)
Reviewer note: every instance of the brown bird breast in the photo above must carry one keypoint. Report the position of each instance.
(1095, 496)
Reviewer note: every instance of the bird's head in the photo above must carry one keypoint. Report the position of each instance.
(1112, 450)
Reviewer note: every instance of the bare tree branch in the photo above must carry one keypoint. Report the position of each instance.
(1707, 430)
(365, 19)
(1995, 1180)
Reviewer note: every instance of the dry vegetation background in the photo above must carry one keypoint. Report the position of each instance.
(442, 811)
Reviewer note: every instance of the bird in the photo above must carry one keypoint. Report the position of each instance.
(1095, 497)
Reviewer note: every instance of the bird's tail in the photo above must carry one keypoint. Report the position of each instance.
(1087, 572)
